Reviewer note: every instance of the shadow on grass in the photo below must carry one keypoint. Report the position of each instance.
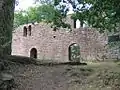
(28, 60)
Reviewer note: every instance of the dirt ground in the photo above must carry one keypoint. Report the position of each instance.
(42, 78)
(98, 76)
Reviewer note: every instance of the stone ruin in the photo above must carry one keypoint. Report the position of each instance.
(43, 42)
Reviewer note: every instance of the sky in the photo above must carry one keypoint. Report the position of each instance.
(24, 4)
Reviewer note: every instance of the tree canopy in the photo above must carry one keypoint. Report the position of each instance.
(46, 11)
(34, 14)
(101, 14)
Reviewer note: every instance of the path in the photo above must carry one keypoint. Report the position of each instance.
(31, 77)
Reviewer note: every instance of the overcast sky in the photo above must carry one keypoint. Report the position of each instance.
(24, 4)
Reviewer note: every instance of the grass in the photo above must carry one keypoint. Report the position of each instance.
(95, 76)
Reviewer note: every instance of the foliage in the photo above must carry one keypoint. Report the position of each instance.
(74, 53)
(19, 18)
(34, 14)
(47, 11)
(101, 14)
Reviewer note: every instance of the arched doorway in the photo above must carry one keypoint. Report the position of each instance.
(33, 53)
(74, 52)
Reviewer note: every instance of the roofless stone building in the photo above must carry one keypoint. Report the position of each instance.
(45, 43)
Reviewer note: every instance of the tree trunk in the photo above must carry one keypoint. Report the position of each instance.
(6, 25)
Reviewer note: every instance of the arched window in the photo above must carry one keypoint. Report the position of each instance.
(74, 52)
(33, 53)
(25, 31)
(29, 28)
(74, 23)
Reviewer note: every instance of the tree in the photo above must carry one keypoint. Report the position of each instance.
(20, 18)
(101, 14)
(34, 14)
(41, 13)
(45, 12)
(6, 24)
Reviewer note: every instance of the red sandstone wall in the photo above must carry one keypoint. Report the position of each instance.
(90, 41)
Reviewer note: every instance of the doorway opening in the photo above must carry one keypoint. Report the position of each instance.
(33, 53)
(74, 52)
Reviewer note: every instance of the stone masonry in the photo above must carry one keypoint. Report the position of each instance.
(54, 45)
